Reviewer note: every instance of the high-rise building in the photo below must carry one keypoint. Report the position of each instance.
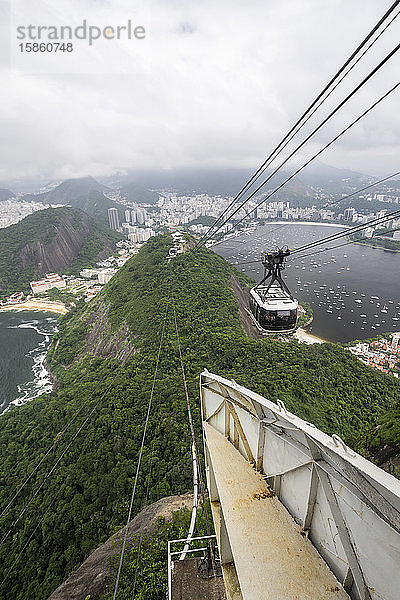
(127, 216)
(349, 214)
(141, 216)
(134, 216)
(368, 232)
(113, 219)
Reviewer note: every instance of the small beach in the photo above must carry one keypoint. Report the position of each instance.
(35, 305)
(308, 338)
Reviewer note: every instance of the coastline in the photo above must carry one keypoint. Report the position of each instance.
(287, 222)
(239, 233)
(35, 305)
(308, 338)
(377, 247)
(32, 377)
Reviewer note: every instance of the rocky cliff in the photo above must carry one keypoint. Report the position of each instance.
(94, 576)
(53, 240)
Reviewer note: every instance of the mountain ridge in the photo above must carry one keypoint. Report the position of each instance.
(6, 194)
(54, 239)
(323, 384)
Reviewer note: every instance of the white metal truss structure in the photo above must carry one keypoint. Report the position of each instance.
(345, 505)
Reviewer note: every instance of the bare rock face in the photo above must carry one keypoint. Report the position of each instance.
(101, 342)
(93, 576)
(51, 240)
(58, 252)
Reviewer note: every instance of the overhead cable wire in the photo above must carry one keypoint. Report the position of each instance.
(325, 120)
(48, 451)
(349, 231)
(18, 558)
(193, 445)
(333, 140)
(48, 475)
(310, 111)
(325, 206)
(324, 250)
(367, 187)
(140, 456)
(195, 461)
(139, 550)
(339, 200)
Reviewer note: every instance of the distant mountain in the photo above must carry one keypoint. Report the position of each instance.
(52, 240)
(69, 190)
(96, 205)
(195, 181)
(84, 193)
(325, 176)
(226, 181)
(6, 194)
(133, 192)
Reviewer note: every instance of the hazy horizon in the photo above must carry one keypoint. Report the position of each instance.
(213, 85)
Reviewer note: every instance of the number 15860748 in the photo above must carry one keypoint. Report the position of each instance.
(46, 47)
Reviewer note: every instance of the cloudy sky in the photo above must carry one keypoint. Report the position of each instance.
(214, 83)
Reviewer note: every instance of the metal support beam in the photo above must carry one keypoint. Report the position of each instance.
(344, 534)
(312, 496)
(225, 550)
(216, 411)
(212, 486)
(260, 446)
(227, 419)
(238, 431)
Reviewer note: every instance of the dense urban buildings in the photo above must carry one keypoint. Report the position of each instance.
(382, 354)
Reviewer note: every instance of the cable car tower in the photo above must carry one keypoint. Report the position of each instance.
(271, 302)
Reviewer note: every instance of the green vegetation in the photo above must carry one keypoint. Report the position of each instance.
(96, 205)
(152, 574)
(134, 192)
(323, 384)
(48, 240)
(382, 443)
(57, 295)
(307, 317)
(205, 220)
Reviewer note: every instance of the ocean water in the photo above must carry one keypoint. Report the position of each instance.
(354, 290)
(24, 339)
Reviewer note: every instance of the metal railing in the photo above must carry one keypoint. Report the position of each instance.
(198, 546)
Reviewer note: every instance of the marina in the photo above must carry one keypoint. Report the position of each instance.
(358, 301)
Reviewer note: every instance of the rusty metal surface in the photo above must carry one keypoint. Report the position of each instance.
(348, 507)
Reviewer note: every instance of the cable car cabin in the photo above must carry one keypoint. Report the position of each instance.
(273, 309)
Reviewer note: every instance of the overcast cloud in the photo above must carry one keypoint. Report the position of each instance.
(215, 83)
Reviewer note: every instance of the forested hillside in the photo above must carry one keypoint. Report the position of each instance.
(103, 358)
(56, 239)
